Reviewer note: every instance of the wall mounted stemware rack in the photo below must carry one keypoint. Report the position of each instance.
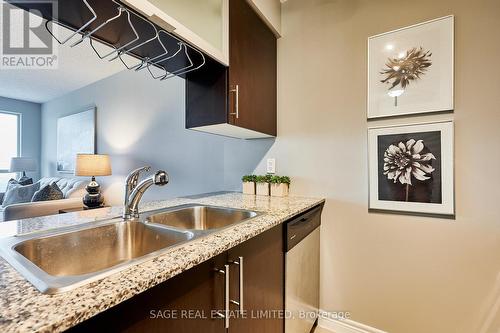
(123, 35)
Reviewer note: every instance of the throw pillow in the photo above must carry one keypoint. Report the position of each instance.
(19, 194)
(48, 192)
(12, 182)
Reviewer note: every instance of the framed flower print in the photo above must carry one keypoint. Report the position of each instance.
(411, 168)
(410, 70)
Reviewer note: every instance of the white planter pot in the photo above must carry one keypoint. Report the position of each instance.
(279, 190)
(249, 188)
(262, 188)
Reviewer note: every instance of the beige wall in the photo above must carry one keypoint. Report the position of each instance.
(401, 274)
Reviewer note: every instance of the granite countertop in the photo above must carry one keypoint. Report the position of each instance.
(24, 309)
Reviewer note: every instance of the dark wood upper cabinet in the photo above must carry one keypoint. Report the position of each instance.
(252, 58)
(239, 100)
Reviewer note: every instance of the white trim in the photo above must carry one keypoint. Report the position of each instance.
(344, 325)
(416, 123)
(231, 131)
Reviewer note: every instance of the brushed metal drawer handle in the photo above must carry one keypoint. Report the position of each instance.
(225, 315)
(239, 303)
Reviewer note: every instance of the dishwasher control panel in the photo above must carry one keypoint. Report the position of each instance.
(299, 227)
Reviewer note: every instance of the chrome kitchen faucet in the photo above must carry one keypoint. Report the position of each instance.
(134, 191)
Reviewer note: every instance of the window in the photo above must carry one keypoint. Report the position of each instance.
(9, 147)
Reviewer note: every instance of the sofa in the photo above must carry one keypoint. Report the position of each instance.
(73, 191)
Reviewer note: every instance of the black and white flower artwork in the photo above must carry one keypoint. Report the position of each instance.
(408, 168)
(411, 168)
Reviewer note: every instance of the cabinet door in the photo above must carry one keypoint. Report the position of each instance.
(252, 70)
(263, 283)
(183, 304)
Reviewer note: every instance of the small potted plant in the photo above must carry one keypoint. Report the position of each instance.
(248, 184)
(263, 184)
(280, 186)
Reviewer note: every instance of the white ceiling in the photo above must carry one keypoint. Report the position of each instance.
(77, 67)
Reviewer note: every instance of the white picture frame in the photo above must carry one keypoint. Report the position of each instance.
(432, 179)
(75, 135)
(421, 57)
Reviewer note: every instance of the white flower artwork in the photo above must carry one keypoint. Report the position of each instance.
(410, 70)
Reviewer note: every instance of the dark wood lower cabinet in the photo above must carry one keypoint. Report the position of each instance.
(188, 302)
(263, 284)
(164, 308)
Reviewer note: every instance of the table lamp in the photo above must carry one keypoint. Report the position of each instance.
(23, 164)
(92, 165)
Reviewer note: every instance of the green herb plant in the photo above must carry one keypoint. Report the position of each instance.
(280, 180)
(263, 179)
(267, 179)
(285, 180)
(249, 178)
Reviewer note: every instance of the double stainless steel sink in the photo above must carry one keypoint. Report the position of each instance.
(62, 259)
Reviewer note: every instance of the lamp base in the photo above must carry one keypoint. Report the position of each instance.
(25, 180)
(93, 198)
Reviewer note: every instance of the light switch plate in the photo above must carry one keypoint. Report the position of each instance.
(271, 165)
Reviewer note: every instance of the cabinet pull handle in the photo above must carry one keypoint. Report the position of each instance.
(239, 303)
(236, 90)
(225, 315)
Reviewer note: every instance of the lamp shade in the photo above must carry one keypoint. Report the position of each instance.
(92, 165)
(21, 164)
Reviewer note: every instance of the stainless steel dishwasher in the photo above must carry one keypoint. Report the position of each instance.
(302, 271)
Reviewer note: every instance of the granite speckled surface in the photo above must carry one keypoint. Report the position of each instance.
(24, 309)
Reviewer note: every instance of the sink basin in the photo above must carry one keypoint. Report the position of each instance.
(199, 217)
(61, 259)
(91, 250)
(57, 261)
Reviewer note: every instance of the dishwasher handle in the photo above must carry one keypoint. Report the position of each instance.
(301, 226)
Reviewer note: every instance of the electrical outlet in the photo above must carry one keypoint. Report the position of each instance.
(271, 165)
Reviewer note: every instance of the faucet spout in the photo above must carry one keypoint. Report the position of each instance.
(131, 182)
(132, 200)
